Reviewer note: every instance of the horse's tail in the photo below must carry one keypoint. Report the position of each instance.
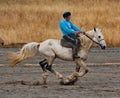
(28, 50)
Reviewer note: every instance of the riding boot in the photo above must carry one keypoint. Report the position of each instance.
(74, 53)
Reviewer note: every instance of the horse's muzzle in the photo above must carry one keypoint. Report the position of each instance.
(103, 47)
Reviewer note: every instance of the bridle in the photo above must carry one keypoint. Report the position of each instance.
(93, 40)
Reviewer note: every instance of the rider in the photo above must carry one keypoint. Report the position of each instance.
(70, 32)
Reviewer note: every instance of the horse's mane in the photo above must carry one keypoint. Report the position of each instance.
(85, 40)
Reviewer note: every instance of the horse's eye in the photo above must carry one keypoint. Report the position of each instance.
(99, 36)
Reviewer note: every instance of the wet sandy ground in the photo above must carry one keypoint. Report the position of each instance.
(102, 81)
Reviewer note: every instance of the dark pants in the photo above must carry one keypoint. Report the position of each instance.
(73, 39)
(72, 42)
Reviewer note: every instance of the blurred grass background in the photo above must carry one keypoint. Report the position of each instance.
(23, 21)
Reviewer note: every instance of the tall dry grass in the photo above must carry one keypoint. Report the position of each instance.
(37, 20)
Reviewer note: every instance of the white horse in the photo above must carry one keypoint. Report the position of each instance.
(52, 49)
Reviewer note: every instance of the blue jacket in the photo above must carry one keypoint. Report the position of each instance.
(67, 27)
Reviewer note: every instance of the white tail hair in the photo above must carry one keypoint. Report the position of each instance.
(28, 50)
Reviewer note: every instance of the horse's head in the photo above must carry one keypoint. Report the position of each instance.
(99, 38)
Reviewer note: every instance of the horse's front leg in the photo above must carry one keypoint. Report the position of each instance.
(71, 79)
(76, 74)
(84, 66)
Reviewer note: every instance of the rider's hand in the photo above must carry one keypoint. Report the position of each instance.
(77, 33)
(84, 33)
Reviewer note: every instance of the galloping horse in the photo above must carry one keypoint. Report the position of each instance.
(52, 49)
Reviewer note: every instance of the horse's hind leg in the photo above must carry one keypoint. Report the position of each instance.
(43, 65)
(46, 64)
(57, 74)
(49, 68)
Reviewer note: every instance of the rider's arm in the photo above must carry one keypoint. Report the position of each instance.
(76, 28)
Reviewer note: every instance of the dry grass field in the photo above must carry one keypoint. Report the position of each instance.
(24, 21)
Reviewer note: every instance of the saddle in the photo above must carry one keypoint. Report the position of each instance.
(65, 43)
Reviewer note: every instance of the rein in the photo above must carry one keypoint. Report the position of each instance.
(93, 40)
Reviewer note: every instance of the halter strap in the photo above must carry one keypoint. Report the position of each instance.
(93, 40)
(101, 40)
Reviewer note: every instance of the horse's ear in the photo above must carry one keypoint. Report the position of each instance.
(94, 29)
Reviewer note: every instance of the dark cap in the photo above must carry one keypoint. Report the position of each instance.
(66, 14)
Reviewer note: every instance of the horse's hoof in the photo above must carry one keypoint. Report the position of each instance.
(36, 83)
(44, 86)
(75, 79)
(44, 83)
(72, 82)
(61, 82)
(66, 83)
(69, 83)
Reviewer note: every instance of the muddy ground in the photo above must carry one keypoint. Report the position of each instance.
(25, 81)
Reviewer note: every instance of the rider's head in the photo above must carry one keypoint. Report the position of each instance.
(67, 15)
